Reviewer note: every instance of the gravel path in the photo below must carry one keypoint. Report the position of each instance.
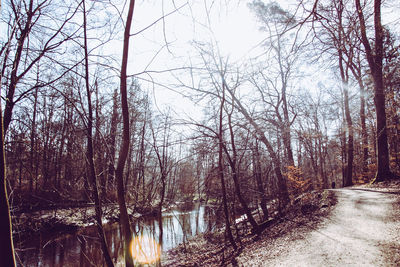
(362, 230)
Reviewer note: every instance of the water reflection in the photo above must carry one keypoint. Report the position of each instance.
(83, 248)
(145, 250)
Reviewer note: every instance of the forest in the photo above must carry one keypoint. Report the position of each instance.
(141, 107)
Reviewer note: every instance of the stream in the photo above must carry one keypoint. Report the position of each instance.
(82, 248)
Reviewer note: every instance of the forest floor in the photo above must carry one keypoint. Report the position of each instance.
(354, 226)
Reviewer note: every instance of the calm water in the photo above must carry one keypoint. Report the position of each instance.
(83, 249)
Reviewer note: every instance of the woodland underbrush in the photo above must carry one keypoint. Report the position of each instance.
(212, 249)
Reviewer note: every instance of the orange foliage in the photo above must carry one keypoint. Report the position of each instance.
(297, 183)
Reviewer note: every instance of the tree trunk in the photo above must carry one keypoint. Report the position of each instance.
(350, 144)
(33, 139)
(92, 170)
(374, 59)
(344, 74)
(111, 151)
(123, 153)
(286, 136)
(364, 134)
(258, 178)
(6, 245)
(321, 159)
(356, 70)
(234, 168)
(228, 230)
(14, 73)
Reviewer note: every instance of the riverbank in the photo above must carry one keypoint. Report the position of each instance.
(65, 249)
(209, 249)
(61, 220)
(305, 214)
(65, 220)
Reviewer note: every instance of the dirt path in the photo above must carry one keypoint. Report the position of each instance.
(362, 230)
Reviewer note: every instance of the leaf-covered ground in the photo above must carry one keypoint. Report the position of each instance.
(304, 214)
(291, 238)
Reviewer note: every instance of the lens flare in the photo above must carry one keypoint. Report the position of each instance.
(145, 250)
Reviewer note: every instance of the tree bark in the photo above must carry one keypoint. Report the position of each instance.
(6, 245)
(123, 152)
(90, 153)
(257, 175)
(32, 153)
(344, 74)
(14, 73)
(284, 74)
(228, 230)
(112, 136)
(350, 143)
(234, 168)
(375, 59)
(364, 134)
(356, 70)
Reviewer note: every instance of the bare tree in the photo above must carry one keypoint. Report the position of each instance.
(123, 152)
(374, 57)
(228, 230)
(26, 26)
(273, 80)
(90, 153)
(7, 247)
(336, 35)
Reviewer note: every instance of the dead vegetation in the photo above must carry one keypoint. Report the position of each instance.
(210, 249)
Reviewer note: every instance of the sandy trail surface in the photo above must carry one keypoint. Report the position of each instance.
(362, 230)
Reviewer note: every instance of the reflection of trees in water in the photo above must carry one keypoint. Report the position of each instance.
(170, 231)
(147, 241)
(114, 240)
(197, 216)
(211, 215)
(184, 220)
(83, 248)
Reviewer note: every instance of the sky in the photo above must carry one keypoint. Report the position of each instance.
(168, 44)
(233, 29)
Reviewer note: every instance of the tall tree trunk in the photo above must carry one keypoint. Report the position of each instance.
(33, 137)
(344, 154)
(344, 74)
(257, 175)
(228, 230)
(375, 59)
(350, 144)
(235, 170)
(364, 134)
(356, 70)
(286, 136)
(6, 245)
(14, 73)
(321, 158)
(111, 151)
(90, 153)
(162, 159)
(123, 153)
